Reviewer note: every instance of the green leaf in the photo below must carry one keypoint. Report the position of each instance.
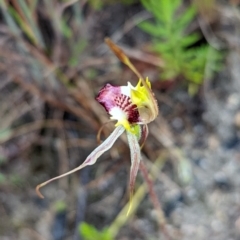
(189, 40)
(186, 18)
(156, 8)
(162, 47)
(169, 9)
(175, 47)
(175, 4)
(156, 30)
(146, 4)
(89, 232)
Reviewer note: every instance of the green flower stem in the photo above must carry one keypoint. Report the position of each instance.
(122, 217)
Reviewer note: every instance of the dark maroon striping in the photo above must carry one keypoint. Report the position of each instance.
(110, 96)
(124, 102)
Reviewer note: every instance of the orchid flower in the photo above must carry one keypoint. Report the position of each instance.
(133, 108)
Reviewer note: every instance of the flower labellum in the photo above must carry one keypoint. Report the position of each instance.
(132, 108)
(117, 102)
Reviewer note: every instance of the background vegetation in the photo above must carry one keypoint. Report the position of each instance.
(53, 61)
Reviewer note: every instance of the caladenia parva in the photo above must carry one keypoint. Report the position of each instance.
(133, 108)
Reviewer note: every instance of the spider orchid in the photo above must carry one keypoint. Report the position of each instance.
(133, 108)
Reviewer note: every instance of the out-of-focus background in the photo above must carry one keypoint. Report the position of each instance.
(53, 61)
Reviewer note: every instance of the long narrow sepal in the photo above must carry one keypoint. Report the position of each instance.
(135, 161)
(91, 159)
(122, 56)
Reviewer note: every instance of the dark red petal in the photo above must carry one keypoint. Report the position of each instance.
(110, 96)
(107, 95)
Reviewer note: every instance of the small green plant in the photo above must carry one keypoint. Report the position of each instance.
(175, 47)
(89, 232)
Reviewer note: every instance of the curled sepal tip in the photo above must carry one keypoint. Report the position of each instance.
(135, 161)
(91, 159)
(38, 191)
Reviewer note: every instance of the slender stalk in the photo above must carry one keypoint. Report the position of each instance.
(122, 218)
(154, 199)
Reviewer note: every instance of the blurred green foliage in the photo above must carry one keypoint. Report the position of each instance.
(22, 19)
(89, 232)
(175, 46)
(60, 206)
(12, 180)
(99, 4)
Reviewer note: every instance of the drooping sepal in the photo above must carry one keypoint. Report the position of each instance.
(92, 158)
(135, 161)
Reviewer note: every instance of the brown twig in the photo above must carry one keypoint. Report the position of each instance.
(154, 199)
(143, 56)
(30, 87)
(37, 125)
